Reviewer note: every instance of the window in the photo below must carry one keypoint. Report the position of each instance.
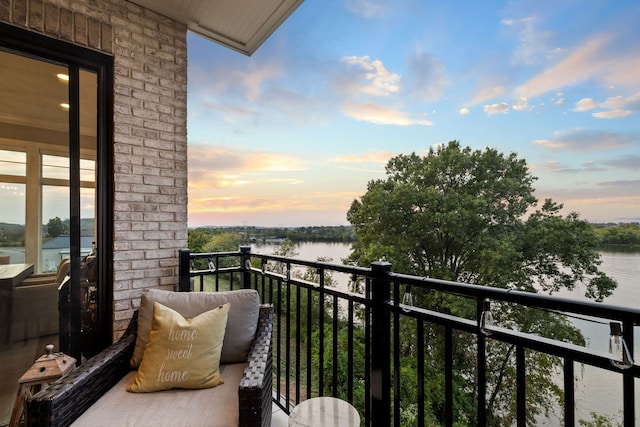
(55, 200)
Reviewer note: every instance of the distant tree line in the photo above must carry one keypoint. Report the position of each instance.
(341, 233)
(13, 234)
(618, 234)
(201, 236)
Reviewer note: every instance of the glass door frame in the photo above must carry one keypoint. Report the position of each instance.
(76, 58)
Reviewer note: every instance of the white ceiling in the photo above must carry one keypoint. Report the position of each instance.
(32, 94)
(242, 25)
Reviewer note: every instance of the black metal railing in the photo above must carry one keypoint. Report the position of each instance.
(346, 343)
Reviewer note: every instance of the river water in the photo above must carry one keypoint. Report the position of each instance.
(597, 390)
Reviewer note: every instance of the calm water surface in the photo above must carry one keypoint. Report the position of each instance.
(597, 390)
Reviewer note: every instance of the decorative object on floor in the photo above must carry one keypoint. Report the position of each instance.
(46, 369)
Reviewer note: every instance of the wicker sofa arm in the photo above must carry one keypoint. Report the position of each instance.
(68, 397)
(255, 391)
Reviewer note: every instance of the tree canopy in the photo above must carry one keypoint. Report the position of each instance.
(55, 227)
(471, 216)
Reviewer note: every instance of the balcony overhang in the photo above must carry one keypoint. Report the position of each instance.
(242, 25)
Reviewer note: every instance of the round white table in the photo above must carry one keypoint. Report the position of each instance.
(324, 412)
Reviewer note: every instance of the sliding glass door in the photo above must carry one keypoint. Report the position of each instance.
(55, 202)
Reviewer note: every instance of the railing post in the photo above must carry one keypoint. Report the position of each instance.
(245, 265)
(184, 279)
(380, 345)
(481, 355)
(628, 394)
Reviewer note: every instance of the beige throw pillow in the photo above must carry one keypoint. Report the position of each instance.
(182, 353)
(241, 325)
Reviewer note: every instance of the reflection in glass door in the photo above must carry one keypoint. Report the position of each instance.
(13, 172)
(48, 213)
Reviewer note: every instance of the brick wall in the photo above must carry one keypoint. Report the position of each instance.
(150, 134)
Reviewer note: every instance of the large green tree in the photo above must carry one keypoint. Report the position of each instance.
(199, 237)
(55, 227)
(471, 216)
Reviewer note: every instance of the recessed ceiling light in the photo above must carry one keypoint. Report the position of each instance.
(64, 106)
(63, 77)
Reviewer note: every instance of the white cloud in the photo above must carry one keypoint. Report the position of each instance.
(369, 77)
(463, 111)
(630, 162)
(623, 71)
(613, 114)
(633, 102)
(371, 156)
(487, 93)
(522, 104)
(372, 93)
(220, 166)
(557, 167)
(585, 104)
(492, 109)
(534, 44)
(615, 107)
(614, 102)
(367, 8)
(253, 80)
(585, 62)
(595, 60)
(380, 115)
(559, 100)
(586, 140)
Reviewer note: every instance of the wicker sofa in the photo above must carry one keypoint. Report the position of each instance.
(95, 393)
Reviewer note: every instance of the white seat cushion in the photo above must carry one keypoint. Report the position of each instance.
(211, 407)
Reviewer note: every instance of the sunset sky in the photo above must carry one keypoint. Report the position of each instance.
(291, 135)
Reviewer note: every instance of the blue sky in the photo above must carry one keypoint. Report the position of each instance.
(292, 135)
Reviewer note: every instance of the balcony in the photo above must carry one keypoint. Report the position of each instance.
(372, 331)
